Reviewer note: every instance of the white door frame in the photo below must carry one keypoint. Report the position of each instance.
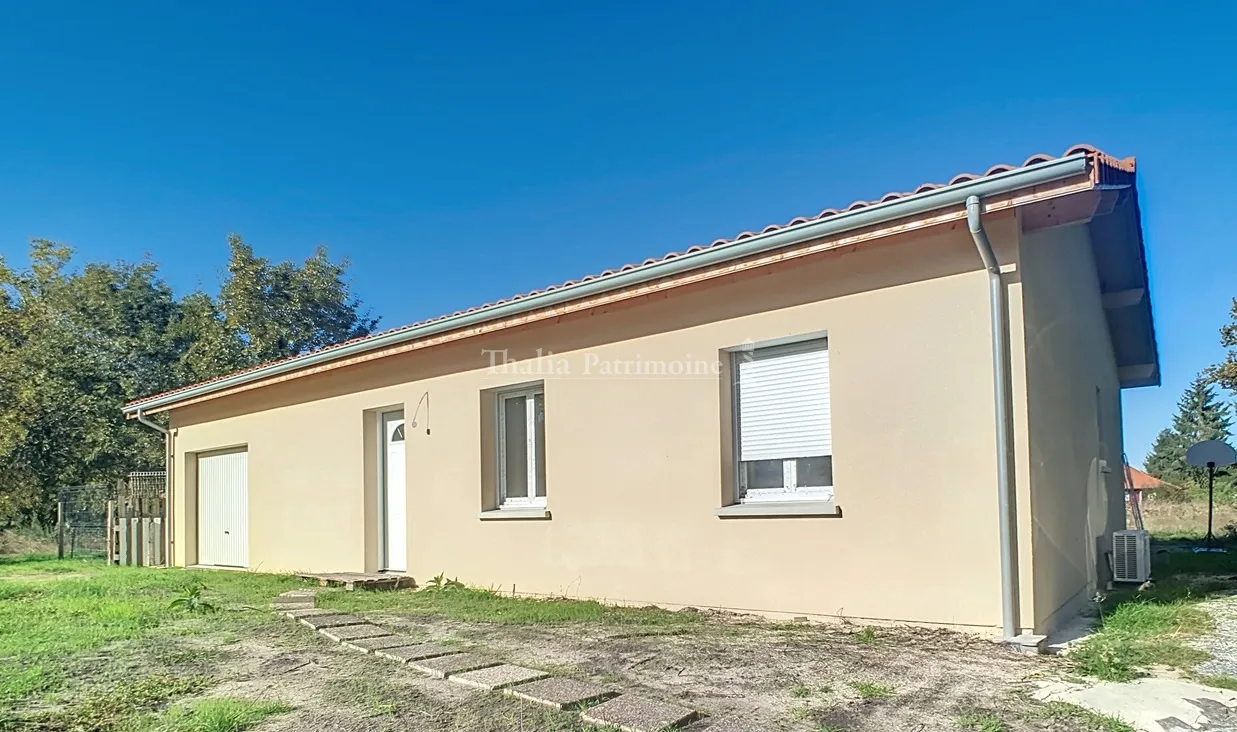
(387, 562)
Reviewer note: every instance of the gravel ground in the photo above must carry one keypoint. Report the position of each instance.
(1222, 644)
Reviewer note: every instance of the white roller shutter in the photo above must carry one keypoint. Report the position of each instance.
(784, 405)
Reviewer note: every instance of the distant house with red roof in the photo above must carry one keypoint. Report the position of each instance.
(1137, 480)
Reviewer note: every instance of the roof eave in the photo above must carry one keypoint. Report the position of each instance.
(916, 204)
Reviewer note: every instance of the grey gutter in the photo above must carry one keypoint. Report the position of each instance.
(1004, 411)
(912, 205)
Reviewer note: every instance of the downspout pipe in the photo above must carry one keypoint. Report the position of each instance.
(1004, 412)
(140, 416)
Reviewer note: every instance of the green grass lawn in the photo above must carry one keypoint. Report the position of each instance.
(476, 605)
(89, 647)
(77, 638)
(53, 614)
(1139, 630)
(210, 715)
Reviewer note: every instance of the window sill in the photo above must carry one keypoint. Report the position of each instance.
(531, 513)
(774, 509)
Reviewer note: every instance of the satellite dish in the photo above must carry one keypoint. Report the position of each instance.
(1210, 453)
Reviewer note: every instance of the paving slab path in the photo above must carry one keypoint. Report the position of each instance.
(561, 693)
(498, 677)
(353, 632)
(305, 612)
(322, 622)
(379, 643)
(1150, 704)
(407, 654)
(637, 714)
(454, 663)
(609, 708)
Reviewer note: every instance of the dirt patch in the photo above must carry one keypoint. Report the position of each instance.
(331, 688)
(26, 542)
(795, 678)
(1168, 520)
(791, 677)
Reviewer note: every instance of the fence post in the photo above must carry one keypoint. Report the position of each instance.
(139, 535)
(110, 534)
(60, 529)
(123, 536)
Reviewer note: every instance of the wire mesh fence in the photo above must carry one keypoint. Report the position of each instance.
(145, 484)
(121, 522)
(82, 529)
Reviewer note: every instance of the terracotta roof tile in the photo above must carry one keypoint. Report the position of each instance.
(1113, 166)
(1140, 481)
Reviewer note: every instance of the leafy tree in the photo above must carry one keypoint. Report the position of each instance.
(281, 310)
(204, 344)
(1201, 415)
(266, 312)
(76, 344)
(1226, 372)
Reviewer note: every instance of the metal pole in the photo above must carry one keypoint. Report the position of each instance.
(1211, 500)
(60, 529)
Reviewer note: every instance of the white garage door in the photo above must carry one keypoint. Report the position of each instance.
(223, 509)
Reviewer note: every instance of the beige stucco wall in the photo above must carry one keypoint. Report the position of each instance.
(1074, 422)
(636, 465)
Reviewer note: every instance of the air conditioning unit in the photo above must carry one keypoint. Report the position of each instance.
(1131, 556)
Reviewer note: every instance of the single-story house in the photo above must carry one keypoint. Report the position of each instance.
(906, 410)
(1140, 486)
(1140, 482)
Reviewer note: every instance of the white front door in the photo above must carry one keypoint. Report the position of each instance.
(223, 509)
(394, 494)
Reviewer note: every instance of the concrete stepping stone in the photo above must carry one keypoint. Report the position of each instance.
(306, 612)
(379, 643)
(352, 632)
(278, 606)
(293, 598)
(298, 593)
(494, 678)
(1148, 703)
(457, 663)
(637, 714)
(561, 693)
(418, 652)
(318, 622)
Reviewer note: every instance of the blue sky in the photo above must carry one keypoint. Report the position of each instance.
(459, 153)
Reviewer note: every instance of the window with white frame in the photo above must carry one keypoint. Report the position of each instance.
(784, 442)
(521, 448)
